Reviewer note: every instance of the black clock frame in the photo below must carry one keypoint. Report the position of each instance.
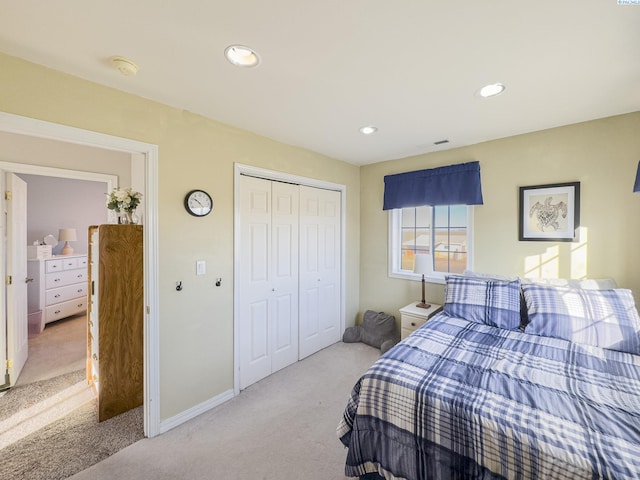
(186, 203)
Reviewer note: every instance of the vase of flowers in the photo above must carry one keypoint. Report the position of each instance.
(124, 201)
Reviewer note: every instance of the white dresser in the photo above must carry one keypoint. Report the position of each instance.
(59, 286)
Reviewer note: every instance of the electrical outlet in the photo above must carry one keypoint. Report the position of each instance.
(201, 267)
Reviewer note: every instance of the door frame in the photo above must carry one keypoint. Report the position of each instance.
(144, 175)
(240, 169)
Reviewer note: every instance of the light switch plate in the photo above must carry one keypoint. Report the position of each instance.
(201, 267)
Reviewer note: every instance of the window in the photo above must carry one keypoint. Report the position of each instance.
(443, 231)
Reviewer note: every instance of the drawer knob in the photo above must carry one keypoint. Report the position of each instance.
(80, 305)
(56, 279)
(57, 295)
(57, 312)
(413, 324)
(80, 290)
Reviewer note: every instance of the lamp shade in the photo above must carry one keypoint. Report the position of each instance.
(423, 264)
(636, 186)
(67, 235)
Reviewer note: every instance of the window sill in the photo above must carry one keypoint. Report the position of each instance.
(434, 278)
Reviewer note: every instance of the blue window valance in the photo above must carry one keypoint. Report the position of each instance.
(451, 185)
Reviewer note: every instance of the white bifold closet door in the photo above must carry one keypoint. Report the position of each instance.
(268, 297)
(289, 267)
(319, 269)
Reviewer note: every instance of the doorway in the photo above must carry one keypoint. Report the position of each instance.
(144, 160)
(57, 341)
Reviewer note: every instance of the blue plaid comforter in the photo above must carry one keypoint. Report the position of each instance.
(462, 400)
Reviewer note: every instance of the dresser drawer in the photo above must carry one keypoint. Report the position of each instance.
(64, 309)
(69, 263)
(52, 266)
(62, 294)
(65, 277)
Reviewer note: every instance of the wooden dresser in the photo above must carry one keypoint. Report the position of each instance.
(58, 287)
(116, 317)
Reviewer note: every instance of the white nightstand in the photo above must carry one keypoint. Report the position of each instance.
(412, 317)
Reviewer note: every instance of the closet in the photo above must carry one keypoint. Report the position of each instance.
(289, 274)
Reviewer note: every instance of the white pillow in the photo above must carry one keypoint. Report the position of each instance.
(586, 284)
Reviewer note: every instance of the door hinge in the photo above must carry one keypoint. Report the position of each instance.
(9, 280)
(9, 363)
(7, 195)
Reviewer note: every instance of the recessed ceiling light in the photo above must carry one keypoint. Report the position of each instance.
(368, 130)
(241, 56)
(491, 90)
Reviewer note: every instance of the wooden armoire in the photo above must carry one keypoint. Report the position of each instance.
(116, 317)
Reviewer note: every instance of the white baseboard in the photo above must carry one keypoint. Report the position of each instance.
(169, 423)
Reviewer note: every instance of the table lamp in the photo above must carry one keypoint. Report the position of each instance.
(423, 263)
(67, 235)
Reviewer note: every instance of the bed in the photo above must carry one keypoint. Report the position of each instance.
(511, 380)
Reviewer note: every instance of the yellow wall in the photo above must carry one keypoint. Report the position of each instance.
(602, 155)
(196, 324)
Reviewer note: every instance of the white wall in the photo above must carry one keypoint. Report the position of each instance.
(54, 203)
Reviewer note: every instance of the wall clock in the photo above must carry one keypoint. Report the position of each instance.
(198, 203)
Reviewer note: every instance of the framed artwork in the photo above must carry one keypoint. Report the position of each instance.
(550, 213)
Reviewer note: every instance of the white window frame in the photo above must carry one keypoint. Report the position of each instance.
(394, 245)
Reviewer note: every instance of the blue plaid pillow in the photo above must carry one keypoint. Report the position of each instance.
(602, 318)
(492, 302)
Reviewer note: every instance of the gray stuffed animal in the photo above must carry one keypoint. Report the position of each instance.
(377, 329)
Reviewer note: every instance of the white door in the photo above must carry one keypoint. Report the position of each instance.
(16, 289)
(268, 296)
(284, 270)
(320, 255)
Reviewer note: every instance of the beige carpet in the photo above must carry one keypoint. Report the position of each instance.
(51, 385)
(281, 428)
(68, 444)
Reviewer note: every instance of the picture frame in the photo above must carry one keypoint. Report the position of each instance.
(549, 213)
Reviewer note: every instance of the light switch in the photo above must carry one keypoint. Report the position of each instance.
(201, 267)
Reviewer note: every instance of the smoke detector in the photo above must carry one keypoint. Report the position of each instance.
(125, 66)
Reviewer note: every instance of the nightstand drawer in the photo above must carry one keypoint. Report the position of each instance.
(412, 322)
(413, 317)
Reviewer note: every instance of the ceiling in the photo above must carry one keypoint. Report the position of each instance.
(410, 67)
